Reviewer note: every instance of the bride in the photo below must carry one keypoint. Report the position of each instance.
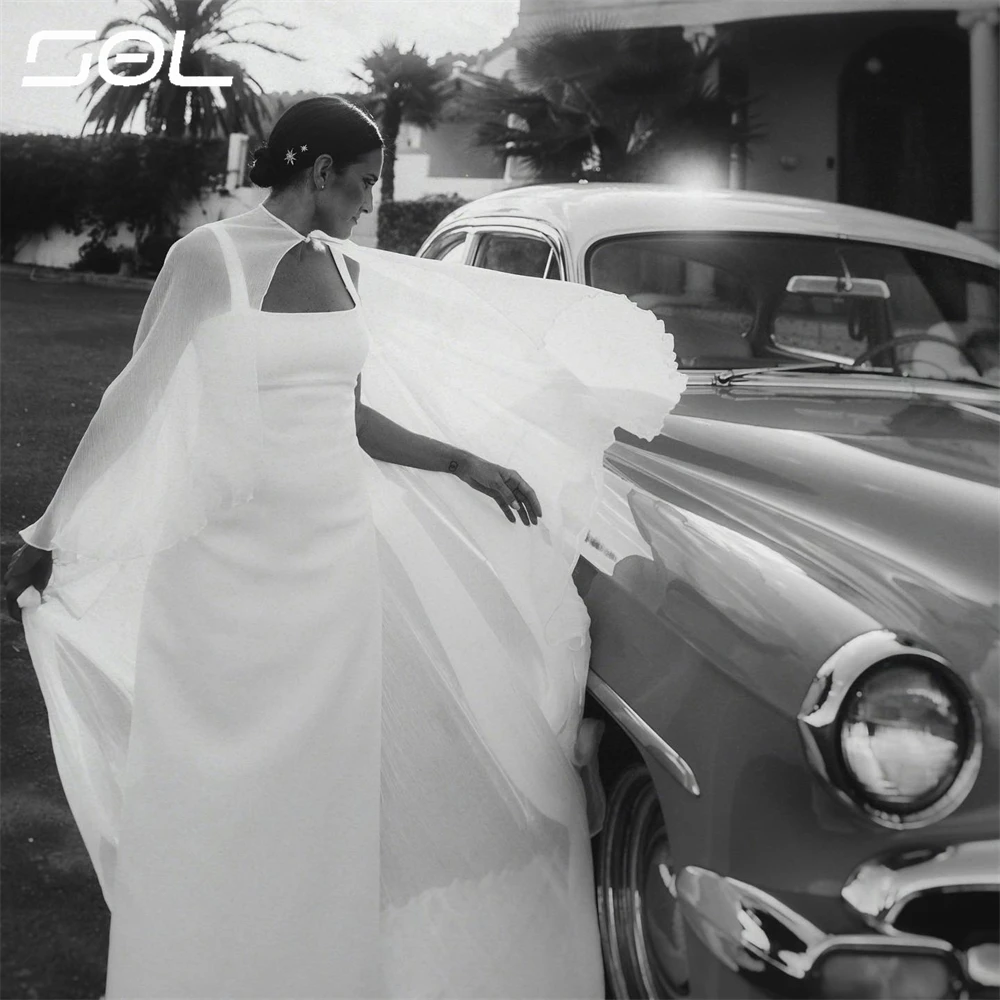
(313, 703)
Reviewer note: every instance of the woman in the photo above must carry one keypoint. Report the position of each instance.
(314, 711)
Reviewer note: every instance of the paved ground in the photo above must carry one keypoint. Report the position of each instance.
(61, 345)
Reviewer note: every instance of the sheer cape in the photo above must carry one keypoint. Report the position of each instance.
(530, 374)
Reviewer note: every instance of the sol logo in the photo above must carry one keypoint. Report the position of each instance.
(156, 55)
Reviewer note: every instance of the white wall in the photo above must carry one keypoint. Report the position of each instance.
(413, 180)
(56, 248)
(59, 248)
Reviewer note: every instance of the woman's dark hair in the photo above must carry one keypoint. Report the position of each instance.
(307, 130)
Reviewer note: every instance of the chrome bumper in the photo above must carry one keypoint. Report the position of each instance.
(780, 952)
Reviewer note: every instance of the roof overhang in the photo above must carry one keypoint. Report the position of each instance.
(692, 13)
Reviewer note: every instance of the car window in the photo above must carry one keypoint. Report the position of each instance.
(450, 247)
(709, 309)
(517, 254)
(724, 297)
(939, 310)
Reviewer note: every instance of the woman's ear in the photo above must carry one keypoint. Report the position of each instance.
(323, 171)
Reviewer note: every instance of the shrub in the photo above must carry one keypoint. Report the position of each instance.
(98, 257)
(404, 225)
(97, 183)
(44, 177)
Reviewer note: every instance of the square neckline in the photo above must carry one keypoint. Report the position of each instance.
(342, 271)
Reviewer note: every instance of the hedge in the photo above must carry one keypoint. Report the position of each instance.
(404, 225)
(97, 183)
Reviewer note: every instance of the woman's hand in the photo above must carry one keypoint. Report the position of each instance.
(506, 487)
(29, 567)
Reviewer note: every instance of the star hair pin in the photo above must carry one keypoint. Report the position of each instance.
(290, 156)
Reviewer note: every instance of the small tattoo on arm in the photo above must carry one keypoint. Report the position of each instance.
(452, 465)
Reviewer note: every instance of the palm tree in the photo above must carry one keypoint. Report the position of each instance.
(401, 86)
(171, 110)
(606, 103)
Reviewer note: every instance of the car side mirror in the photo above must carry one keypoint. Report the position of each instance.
(842, 287)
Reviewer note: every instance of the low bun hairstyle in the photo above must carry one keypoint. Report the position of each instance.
(307, 130)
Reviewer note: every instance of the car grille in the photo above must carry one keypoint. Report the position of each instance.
(965, 918)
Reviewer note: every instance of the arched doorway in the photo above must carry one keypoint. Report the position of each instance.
(904, 125)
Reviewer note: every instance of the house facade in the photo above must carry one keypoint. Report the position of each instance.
(447, 159)
(887, 104)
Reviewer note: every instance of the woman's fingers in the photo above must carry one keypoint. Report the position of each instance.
(525, 497)
(507, 512)
(29, 567)
(13, 587)
(506, 493)
(13, 608)
(510, 492)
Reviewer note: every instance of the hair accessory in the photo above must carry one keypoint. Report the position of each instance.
(290, 156)
(303, 149)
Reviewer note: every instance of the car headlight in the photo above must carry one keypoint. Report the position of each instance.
(893, 730)
(903, 736)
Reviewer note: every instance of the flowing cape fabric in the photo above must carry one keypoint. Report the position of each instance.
(533, 375)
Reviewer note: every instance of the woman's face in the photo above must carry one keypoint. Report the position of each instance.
(348, 195)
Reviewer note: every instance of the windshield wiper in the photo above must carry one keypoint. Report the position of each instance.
(821, 367)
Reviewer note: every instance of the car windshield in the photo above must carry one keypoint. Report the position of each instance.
(725, 298)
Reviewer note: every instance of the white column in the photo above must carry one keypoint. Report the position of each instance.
(236, 161)
(728, 173)
(985, 81)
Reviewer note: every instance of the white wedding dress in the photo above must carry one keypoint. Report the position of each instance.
(318, 743)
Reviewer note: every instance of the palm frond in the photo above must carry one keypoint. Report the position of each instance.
(176, 110)
(163, 13)
(211, 12)
(261, 22)
(123, 22)
(263, 46)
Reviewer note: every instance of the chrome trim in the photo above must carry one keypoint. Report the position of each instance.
(977, 411)
(862, 381)
(818, 725)
(518, 227)
(880, 889)
(769, 944)
(643, 734)
(982, 965)
(440, 231)
(444, 236)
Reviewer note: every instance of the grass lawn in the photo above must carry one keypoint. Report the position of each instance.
(61, 345)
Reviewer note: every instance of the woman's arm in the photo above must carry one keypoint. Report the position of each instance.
(385, 441)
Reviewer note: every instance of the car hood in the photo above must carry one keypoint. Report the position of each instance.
(886, 495)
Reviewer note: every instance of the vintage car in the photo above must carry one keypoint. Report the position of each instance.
(794, 593)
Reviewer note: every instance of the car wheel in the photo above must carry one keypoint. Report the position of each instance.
(642, 930)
